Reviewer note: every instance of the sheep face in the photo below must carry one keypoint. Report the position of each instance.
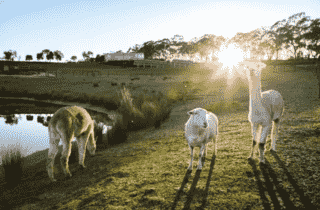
(199, 117)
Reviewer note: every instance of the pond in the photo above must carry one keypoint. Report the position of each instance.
(31, 134)
(30, 131)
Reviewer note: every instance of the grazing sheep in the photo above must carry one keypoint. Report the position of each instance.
(67, 123)
(265, 110)
(201, 128)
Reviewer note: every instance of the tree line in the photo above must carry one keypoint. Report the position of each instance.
(294, 34)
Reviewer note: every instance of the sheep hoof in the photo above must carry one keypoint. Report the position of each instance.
(189, 171)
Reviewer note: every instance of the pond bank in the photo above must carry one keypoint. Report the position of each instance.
(41, 106)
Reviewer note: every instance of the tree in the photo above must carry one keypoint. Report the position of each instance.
(100, 58)
(161, 46)
(10, 55)
(73, 57)
(313, 35)
(148, 48)
(176, 39)
(292, 30)
(90, 53)
(29, 57)
(49, 56)
(119, 51)
(40, 56)
(46, 52)
(135, 49)
(58, 55)
(85, 55)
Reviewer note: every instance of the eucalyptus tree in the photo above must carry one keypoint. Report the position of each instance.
(148, 48)
(87, 55)
(49, 56)
(161, 47)
(135, 48)
(58, 55)
(46, 52)
(313, 36)
(291, 32)
(10, 55)
(29, 57)
(73, 57)
(40, 56)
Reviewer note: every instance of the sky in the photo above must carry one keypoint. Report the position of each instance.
(74, 26)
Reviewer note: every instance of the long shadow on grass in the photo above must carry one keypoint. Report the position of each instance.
(304, 199)
(268, 173)
(193, 186)
(205, 194)
(261, 188)
(183, 184)
(192, 189)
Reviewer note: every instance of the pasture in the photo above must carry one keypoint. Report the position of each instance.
(149, 170)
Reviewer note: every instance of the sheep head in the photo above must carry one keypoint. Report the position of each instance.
(199, 117)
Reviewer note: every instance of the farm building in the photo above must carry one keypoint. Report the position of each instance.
(124, 56)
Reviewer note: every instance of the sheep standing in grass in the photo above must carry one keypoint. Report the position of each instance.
(265, 110)
(201, 128)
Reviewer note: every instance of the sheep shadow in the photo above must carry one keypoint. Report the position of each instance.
(193, 187)
(261, 188)
(304, 199)
(274, 188)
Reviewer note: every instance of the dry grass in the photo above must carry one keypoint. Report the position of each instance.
(150, 173)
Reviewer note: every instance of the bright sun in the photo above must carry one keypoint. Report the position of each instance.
(229, 56)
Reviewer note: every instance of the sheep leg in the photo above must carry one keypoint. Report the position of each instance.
(254, 130)
(264, 133)
(201, 154)
(274, 134)
(191, 155)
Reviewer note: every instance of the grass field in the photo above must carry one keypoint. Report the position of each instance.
(150, 172)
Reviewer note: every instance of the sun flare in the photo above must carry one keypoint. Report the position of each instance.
(230, 56)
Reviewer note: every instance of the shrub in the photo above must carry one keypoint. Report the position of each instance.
(119, 132)
(12, 163)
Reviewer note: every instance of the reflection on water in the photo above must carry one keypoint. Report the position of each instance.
(29, 130)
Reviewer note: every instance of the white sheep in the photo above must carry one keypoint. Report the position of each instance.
(201, 128)
(265, 110)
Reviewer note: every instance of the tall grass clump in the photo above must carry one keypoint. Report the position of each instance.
(12, 163)
(143, 111)
(119, 133)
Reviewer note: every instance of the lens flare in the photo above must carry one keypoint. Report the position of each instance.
(230, 56)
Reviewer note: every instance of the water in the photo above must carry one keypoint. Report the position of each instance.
(31, 135)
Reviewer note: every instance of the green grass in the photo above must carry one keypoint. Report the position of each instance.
(147, 173)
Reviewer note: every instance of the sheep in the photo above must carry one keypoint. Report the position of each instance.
(265, 110)
(200, 129)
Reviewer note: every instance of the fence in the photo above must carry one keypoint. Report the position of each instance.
(162, 64)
